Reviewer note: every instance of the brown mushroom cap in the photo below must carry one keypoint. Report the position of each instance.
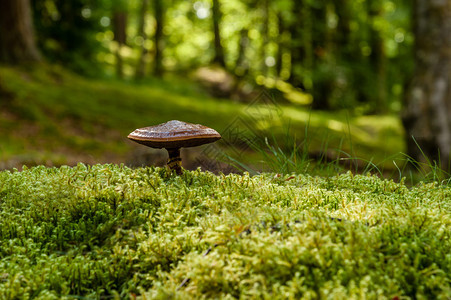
(174, 134)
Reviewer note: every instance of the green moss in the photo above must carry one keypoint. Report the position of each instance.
(106, 230)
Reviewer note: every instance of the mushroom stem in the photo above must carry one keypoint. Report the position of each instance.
(175, 161)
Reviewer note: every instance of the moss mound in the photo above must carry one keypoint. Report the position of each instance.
(109, 231)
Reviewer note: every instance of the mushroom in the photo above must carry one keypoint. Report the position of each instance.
(172, 136)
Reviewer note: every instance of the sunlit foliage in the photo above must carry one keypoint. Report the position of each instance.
(352, 54)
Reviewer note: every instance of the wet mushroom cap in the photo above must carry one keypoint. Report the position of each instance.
(174, 134)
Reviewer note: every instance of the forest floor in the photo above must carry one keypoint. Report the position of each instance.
(110, 231)
(53, 117)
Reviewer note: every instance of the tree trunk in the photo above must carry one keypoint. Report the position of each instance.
(219, 51)
(281, 45)
(427, 112)
(265, 35)
(297, 48)
(323, 76)
(241, 64)
(17, 42)
(378, 58)
(120, 36)
(141, 67)
(159, 20)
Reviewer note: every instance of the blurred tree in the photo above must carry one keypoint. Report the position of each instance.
(265, 35)
(66, 32)
(241, 64)
(219, 50)
(300, 39)
(377, 56)
(141, 66)
(284, 20)
(17, 40)
(322, 64)
(427, 112)
(120, 32)
(159, 43)
(312, 67)
(281, 43)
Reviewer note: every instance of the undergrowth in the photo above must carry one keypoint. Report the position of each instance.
(108, 231)
(54, 117)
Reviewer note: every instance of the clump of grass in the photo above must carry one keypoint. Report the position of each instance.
(294, 156)
(110, 231)
(428, 168)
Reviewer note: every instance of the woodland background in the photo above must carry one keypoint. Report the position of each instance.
(354, 58)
